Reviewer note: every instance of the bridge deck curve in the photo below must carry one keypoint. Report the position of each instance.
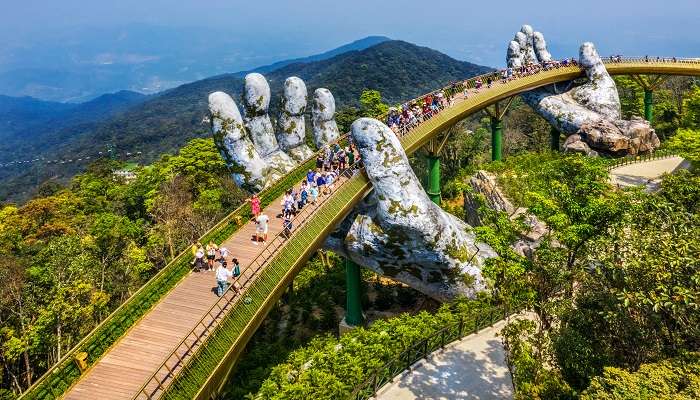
(142, 352)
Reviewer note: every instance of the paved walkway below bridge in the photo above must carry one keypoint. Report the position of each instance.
(472, 368)
(647, 172)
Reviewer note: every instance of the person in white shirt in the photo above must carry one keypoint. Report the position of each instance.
(224, 252)
(222, 275)
(262, 222)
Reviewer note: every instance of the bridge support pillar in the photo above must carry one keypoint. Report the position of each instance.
(353, 289)
(554, 137)
(434, 178)
(496, 138)
(649, 106)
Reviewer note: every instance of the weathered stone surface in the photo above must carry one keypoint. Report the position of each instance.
(291, 131)
(256, 96)
(249, 144)
(591, 110)
(400, 233)
(324, 126)
(233, 142)
(485, 191)
(575, 144)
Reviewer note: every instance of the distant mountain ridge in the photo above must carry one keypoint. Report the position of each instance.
(361, 44)
(25, 121)
(398, 69)
(164, 122)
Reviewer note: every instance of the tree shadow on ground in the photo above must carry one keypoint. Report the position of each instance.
(470, 369)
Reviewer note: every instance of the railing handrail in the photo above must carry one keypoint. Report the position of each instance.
(639, 158)
(421, 344)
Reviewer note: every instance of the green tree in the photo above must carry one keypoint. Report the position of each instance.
(691, 105)
(345, 116)
(676, 378)
(371, 104)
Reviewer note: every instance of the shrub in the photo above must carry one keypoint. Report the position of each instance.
(676, 378)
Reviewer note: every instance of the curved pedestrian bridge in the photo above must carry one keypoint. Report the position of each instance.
(175, 339)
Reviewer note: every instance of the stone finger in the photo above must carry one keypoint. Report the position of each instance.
(540, 46)
(325, 129)
(233, 143)
(291, 130)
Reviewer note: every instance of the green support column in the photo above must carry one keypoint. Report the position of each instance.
(353, 279)
(649, 105)
(554, 136)
(434, 178)
(496, 139)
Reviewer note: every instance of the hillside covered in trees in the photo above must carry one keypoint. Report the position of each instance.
(616, 298)
(165, 122)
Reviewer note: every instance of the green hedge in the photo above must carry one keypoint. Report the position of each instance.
(332, 368)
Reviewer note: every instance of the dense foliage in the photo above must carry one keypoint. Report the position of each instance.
(614, 283)
(330, 368)
(314, 308)
(70, 257)
(675, 379)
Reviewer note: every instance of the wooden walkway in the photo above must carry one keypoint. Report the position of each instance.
(132, 361)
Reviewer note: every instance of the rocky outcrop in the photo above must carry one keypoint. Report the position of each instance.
(485, 191)
(322, 117)
(398, 232)
(590, 113)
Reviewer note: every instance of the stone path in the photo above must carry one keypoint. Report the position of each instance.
(647, 172)
(473, 368)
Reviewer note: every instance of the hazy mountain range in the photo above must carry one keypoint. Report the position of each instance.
(147, 126)
(80, 64)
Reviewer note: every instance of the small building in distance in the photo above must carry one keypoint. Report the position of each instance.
(126, 174)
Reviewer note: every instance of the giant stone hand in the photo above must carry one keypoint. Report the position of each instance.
(398, 232)
(249, 144)
(590, 113)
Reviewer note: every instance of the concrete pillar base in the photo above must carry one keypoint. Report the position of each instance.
(344, 327)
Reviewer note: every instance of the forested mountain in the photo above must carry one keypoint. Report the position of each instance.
(165, 122)
(357, 45)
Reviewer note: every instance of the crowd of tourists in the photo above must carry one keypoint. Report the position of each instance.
(319, 182)
(410, 114)
(205, 258)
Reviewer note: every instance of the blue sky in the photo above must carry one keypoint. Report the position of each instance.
(75, 50)
(474, 31)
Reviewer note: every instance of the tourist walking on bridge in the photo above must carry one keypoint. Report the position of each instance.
(255, 205)
(262, 227)
(198, 263)
(211, 254)
(222, 275)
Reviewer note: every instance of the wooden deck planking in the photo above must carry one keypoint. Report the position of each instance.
(136, 356)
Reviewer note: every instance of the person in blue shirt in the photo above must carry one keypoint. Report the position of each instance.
(310, 176)
(321, 184)
(303, 196)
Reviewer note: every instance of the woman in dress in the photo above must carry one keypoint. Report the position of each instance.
(255, 205)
